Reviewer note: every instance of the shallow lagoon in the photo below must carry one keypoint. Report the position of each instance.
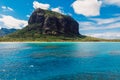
(60, 61)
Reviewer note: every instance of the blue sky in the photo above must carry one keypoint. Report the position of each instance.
(97, 18)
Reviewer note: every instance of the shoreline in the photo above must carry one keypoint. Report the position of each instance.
(60, 42)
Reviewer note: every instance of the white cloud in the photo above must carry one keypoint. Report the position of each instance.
(70, 14)
(106, 35)
(105, 26)
(94, 26)
(100, 24)
(28, 16)
(5, 8)
(112, 2)
(87, 7)
(105, 21)
(11, 22)
(58, 9)
(10, 9)
(87, 26)
(36, 5)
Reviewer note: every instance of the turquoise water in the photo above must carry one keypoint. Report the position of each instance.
(60, 61)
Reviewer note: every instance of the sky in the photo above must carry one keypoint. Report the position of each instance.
(96, 18)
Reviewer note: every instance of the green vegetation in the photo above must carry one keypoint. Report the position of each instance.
(48, 38)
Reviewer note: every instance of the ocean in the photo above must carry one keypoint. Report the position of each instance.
(60, 61)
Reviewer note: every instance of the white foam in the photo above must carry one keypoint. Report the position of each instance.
(15, 79)
(31, 65)
(3, 70)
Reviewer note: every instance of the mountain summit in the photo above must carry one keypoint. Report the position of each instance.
(52, 23)
(45, 24)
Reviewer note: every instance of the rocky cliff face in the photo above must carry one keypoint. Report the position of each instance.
(52, 23)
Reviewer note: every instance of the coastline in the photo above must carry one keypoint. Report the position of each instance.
(60, 42)
(52, 39)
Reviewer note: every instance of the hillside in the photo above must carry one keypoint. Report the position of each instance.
(48, 23)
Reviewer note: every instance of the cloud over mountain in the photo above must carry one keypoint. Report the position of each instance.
(58, 9)
(87, 7)
(37, 4)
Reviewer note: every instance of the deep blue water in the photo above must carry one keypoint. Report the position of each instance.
(60, 61)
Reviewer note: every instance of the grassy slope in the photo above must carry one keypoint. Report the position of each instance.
(26, 36)
(48, 38)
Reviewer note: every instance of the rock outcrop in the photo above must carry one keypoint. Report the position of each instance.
(52, 23)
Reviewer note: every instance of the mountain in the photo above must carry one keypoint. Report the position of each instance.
(45, 25)
(5, 31)
(48, 23)
(52, 23)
